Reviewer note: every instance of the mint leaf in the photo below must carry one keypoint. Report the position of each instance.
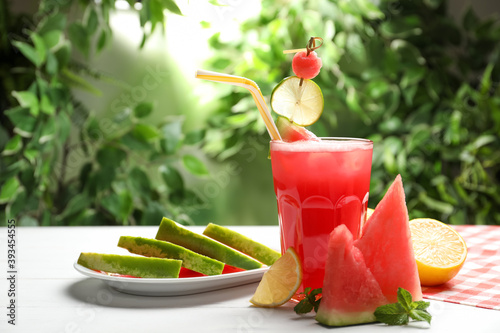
(315, 298)
(399, 313)
(304, 306)
(311, 301)
(404, 298)
(392, 314)
(421, 315)
(421, 305)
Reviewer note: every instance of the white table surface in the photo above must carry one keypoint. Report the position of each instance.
(53, 297)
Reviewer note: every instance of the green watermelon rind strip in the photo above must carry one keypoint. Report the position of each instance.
(242, 243)
(161, 249)
(333, 317)
(129, 265)
(173, 232)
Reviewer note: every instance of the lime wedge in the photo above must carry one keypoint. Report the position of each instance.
(301, 104)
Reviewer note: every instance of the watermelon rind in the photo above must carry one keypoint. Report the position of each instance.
(350, 292)
(129, 265)
(335, 317)
(161, 249)
(173, 232)
(242, 243)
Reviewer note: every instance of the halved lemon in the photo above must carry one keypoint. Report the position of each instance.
(302, 104)
(280, 283)
(440, 251)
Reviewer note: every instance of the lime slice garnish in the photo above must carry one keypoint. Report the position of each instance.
(301, 104)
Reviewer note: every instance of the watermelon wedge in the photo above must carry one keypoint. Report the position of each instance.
(291, 132)
(387, 247)
(364, 274)
(350, 293)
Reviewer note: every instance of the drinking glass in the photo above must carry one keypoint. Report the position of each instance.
(319, 185)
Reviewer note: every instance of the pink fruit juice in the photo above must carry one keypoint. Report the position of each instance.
(319, 185)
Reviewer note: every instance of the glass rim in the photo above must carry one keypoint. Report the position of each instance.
(328, 139)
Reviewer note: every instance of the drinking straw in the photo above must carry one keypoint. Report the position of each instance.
(250, 86)
(294, 51)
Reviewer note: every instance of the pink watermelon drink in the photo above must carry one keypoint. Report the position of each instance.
(319, 185)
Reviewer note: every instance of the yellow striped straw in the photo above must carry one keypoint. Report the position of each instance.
(250, 86)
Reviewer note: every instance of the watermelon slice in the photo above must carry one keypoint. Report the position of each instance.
(291, 132)
(350, 293)
(382, 259)
(387, 247)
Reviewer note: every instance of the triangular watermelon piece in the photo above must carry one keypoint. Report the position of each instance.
(291, 132)
(387, 247)
(350, 293)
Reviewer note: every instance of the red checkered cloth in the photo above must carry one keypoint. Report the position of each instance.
(478, 282)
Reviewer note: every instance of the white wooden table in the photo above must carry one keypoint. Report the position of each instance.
(51, 296)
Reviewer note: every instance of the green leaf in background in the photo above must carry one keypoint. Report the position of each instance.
(144, 132)
(139, 182)
(64, 124)
(18, 204)
(79, 37)
(9, 189)
(46, 105)
(52, 65)
(92, 22)
(418, 136)
(156, 13)
(75, 205)
(171, 136)
(49, 130)
(29, 52)
(52, 38)
(172, 178)
(77, 81)
(145, 13)
(13, 146)
(39, 47)
(194, 165)
(195, 137)
(130, 141)
(23, 121)
(143, 109)
(60, 163)
(101, 180)
(28, 221)
(401, 27)
(29, 100)
(171, 6)
(110, 157)
(63, 54)
(53, 22)
(153, 214)
(31, 155)
(120, 205)
(103, 39)
(436, 205)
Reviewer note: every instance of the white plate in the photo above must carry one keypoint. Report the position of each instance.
(173, 286)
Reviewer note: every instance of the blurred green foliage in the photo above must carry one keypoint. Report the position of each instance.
(424, 88)
(62, 164)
